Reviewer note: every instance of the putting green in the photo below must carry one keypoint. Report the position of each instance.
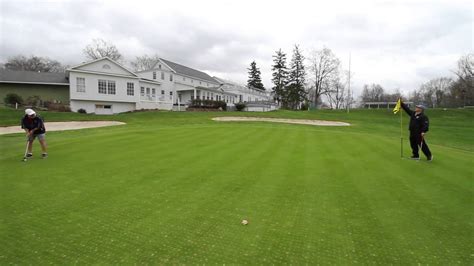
(173, 188)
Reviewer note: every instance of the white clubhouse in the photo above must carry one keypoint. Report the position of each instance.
(104, 86)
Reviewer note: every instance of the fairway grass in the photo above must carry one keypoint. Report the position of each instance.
(172, 188)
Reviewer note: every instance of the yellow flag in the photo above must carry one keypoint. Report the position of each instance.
(397, 107)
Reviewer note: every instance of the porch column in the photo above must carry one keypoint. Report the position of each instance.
(194, 93)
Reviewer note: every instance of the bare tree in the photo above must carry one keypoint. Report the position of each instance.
(324, 69)
(144, 62)
(100, 48)
(372, 93)
(34, 63)
(465, 71)
(336, 95)
(435, 91)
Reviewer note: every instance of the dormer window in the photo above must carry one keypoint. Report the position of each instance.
(106, 66)
(159, 66)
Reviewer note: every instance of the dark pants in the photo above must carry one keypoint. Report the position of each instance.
(415, 142)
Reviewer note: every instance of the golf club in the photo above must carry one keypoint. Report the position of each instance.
(421, 142)
(26, 150)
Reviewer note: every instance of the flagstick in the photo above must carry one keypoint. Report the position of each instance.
(401, 134)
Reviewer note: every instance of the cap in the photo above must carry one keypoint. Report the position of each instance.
(30, 112)
(421, 106)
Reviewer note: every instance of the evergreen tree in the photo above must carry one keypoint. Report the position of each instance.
(280, 77)
(254, 81)
(295, 90)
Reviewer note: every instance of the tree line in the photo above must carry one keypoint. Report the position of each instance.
(297, 85)
(302, 82)
(435, 93)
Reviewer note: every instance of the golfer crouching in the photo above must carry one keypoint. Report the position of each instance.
(34, 128)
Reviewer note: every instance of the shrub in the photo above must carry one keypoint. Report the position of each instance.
(33, 101)
(12, 99)
(82, 111)
(240, 106)
(304, 106)
(222, 105)
(58, 107)
(208, 104)
(195, 103)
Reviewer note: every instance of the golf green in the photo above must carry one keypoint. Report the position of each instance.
(173, 188)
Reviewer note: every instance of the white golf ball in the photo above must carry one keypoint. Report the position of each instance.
(245, 222)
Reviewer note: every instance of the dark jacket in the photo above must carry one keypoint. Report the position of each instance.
(33, 123)
(418, 122)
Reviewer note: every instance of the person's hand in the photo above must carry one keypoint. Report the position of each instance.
(422, 134)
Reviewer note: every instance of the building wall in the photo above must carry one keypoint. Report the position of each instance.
(161, 100)
(152, 105)
(45, 92)
(92, 91)
(178, 82)
(247, 95)
(187, 96)
(91, 106)
(166, 85)
(104, 66)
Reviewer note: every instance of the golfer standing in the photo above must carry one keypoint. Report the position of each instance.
(419, 126)
(34, 128)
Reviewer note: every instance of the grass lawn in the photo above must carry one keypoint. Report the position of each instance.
(172, 188)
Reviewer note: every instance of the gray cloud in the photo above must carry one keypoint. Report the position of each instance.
(395, 43)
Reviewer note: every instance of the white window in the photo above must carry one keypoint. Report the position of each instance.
(162, 92)
(130, 88)
(171, 95)
(153, 92)
(200, 82)
(142, 91)
(102, 86)
(148, 92)
(163, 75)
(110, 87)
(106, 66)
(171, 77)
(80, 84)
(154, 75)
(159, 66)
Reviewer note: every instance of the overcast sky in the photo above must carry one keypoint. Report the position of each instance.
(398, 44)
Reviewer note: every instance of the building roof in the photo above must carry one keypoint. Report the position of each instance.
(184, 70)
(105, 58)
(216, 89)
(229, 82)
(150, 81)
(21, 76)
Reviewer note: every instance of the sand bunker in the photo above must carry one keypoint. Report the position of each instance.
(281, 120)
(60, 126)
